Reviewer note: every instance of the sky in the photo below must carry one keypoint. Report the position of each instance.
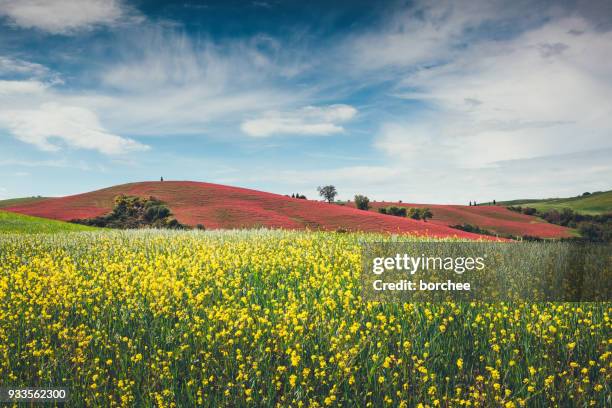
(420, 101)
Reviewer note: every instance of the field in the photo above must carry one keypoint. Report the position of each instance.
(17, 223)
(224, 207)
(274, 318)
(496, 219)
(596, 203)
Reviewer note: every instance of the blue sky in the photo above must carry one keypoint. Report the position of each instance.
(423, 101)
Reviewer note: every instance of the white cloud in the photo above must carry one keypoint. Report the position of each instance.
(15, 66)
(310, 120)
(75, 126)
(62, 16)
(161, 84)
(165, 83)
(21, 87)
(548, 91)
(429, 31)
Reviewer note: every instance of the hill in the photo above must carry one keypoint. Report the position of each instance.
(592, 204)
(217, 206)
(497, 219)
(19, 223)
(17, 201)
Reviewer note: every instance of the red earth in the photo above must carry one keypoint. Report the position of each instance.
(496, 219)
(217, 206)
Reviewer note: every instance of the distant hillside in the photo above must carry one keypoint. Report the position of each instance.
(496, 219)
(18, 201)
(593, 204)
(18, 223)
(218, 206)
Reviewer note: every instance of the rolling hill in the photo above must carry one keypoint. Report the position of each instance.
(217, 206)
(18, 201)
(592, 204)
(24, 224)
(497, 219)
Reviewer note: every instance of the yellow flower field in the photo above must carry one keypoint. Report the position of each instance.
(271, 318)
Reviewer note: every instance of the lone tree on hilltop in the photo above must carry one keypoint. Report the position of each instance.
(362, 202)
(328, 193)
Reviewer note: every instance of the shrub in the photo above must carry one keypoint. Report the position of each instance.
(529, 211)
(362, 202)
(393, 210)
(420, 213)
(135, 212)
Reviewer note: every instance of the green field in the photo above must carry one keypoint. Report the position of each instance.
(18, 201)
(25, 224)
(593, 204)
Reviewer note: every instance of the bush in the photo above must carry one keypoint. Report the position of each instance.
(529, 211)
(135, 212)
(396, 211)
(593, 232)
(420, 213)
(362, 202)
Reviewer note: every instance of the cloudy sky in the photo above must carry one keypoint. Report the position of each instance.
(424, 101)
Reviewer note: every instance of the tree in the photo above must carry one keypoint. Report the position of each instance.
(494, 202)
(426, 213)
(362, 202)
(328, 193)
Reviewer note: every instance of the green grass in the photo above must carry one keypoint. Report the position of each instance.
(596, 203)
(19, 201)
(25, 224)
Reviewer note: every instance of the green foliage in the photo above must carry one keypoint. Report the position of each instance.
(11, 223)
(590, 203)
(595, 232)
(328, 193)
(420, 213)
(132, 212)
(593, 228)
(393, 210)
(362, 202)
